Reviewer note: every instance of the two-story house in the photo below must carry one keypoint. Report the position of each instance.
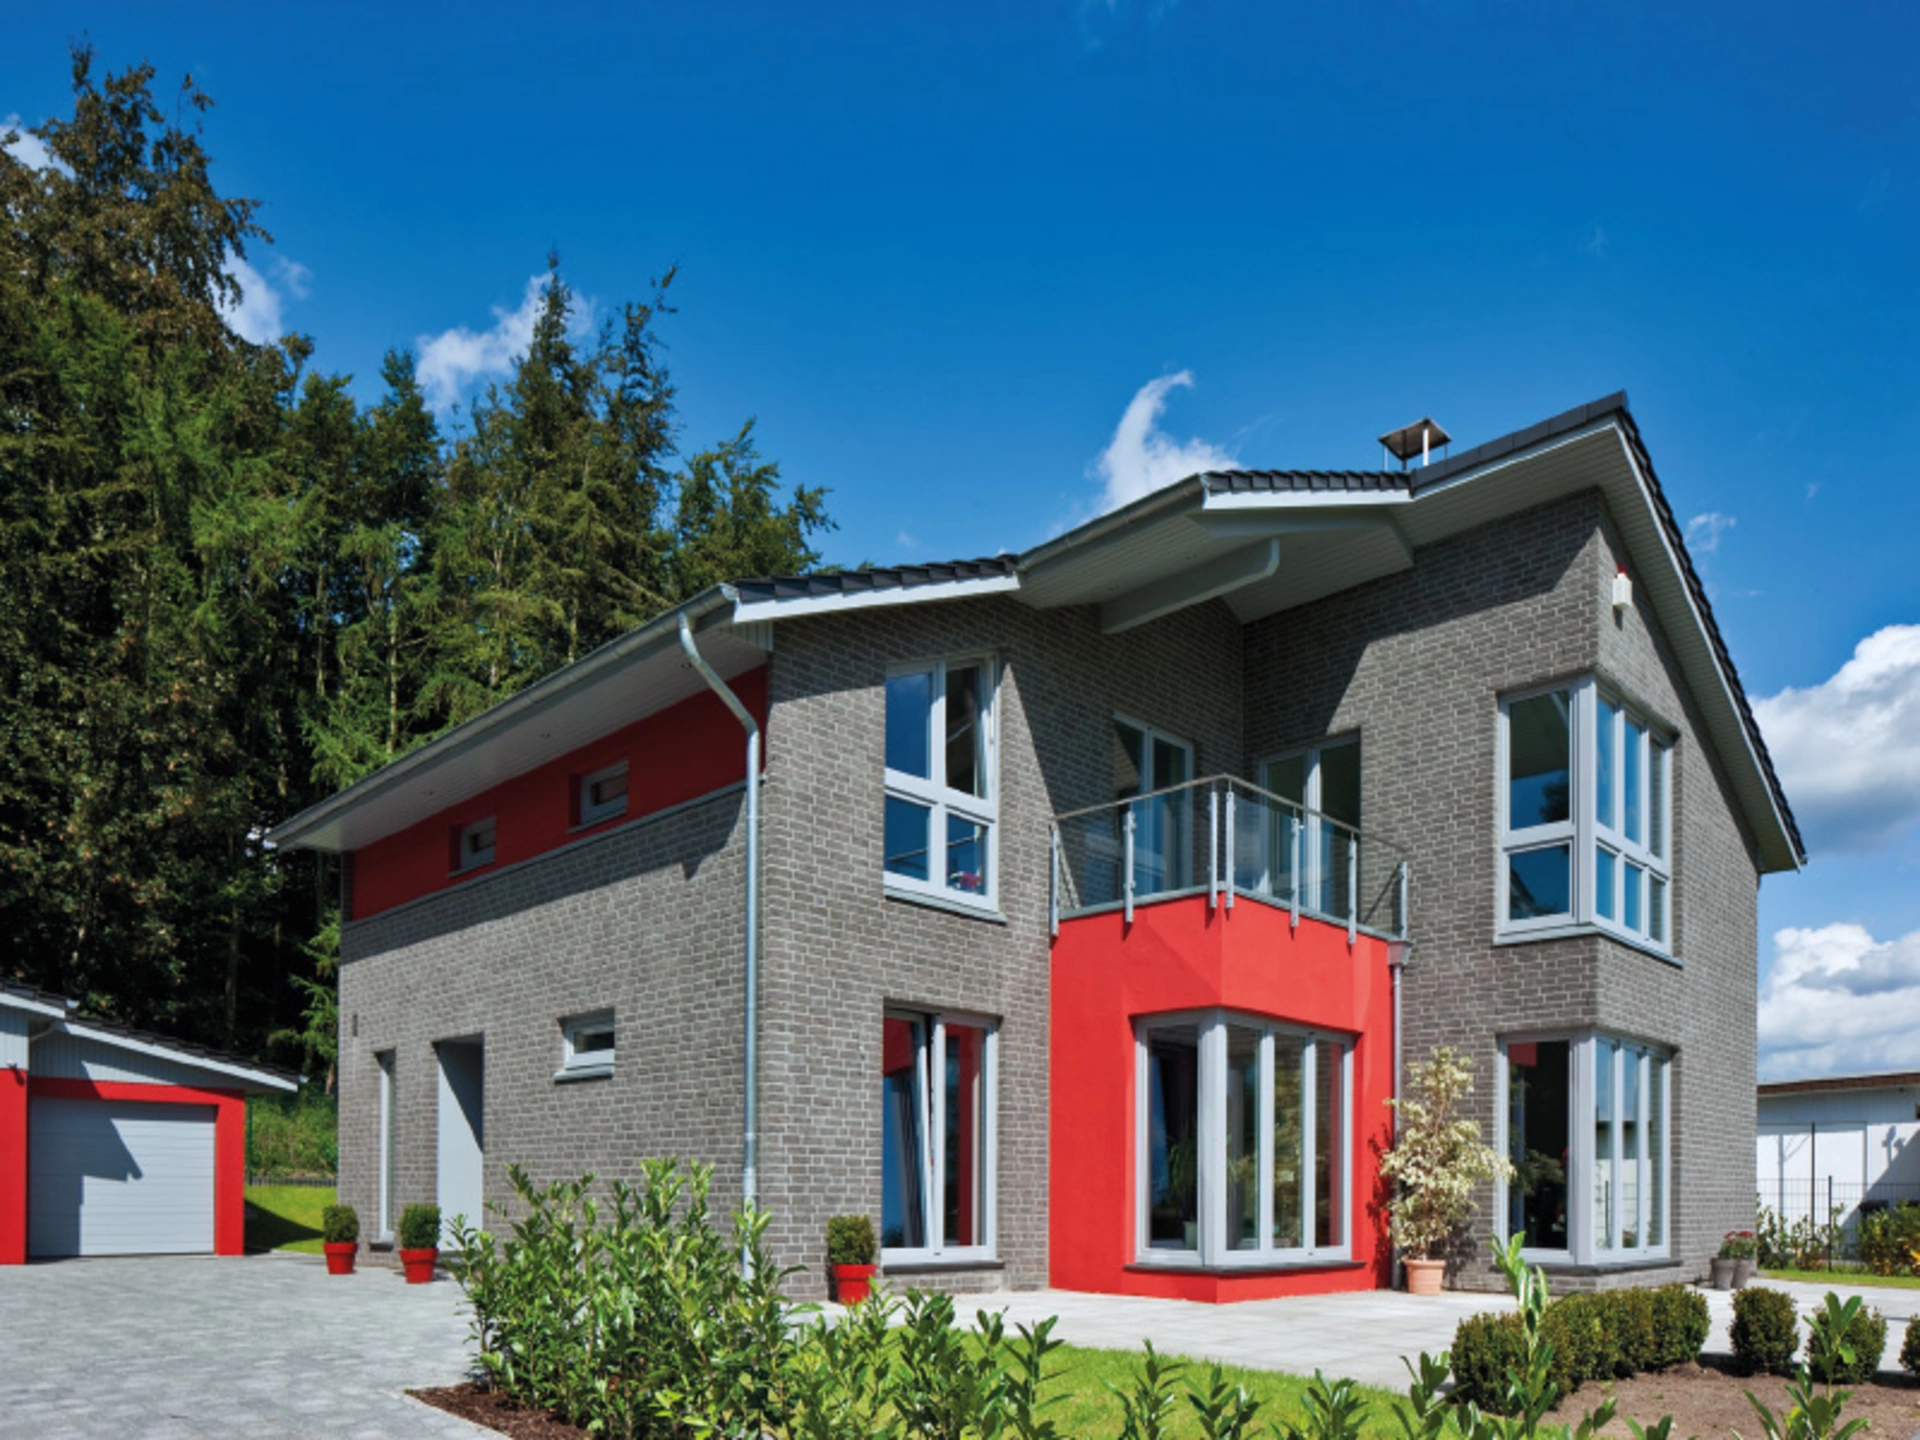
(1072, 912)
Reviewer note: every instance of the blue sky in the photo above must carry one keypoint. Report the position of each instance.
(939, 250)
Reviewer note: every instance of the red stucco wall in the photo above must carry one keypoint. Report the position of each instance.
(1179, 956)
(686, 751)
(13, 1165)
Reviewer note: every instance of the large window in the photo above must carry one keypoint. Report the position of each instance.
(1146, 760)
(1586, 1124)
(937, 1138)
(1324, 780)
(942, 800)
(1586, 823)
(1244, 1142)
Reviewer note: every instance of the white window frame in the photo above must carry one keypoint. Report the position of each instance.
(1211, 1204)
(577, 1063)
(931, 1061)
(384, 1061)
(1583, 831)
(1582, 1243)
(592, 813)
(1313, 871)
(932, 791)
(469, 860)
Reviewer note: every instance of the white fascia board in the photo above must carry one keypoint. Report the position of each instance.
(81, 1031)
(1728, 693)
(1190, 587)
(58, 1011)
(749, 612)
(1226, 502)
(1520, 457)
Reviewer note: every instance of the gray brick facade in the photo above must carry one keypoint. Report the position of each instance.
(646, 920)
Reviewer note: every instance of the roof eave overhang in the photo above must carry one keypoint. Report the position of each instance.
(225, 1068)
(710, 607)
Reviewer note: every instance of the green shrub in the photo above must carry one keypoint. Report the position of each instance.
(1888, 1239)
(340, 1224)
(292, 1135)
(1845, 1341)
(1681, 1321)
(850, 1240)
(1628, 1316)
(420, 1227)
(1910, 1348)
(1583, 1343)
(1485, 1348)
(1766, 1332)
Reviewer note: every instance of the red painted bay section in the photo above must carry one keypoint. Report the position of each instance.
(13, 1166)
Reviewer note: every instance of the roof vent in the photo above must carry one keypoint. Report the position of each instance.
(1419, 438)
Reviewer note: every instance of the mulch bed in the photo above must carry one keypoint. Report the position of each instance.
(1712, 1404)
(497, 1412)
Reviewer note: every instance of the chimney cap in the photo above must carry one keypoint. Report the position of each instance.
(1415, 439)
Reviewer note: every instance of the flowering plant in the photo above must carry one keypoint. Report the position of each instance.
(1739, 1245)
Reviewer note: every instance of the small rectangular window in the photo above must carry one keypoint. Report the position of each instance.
(475, 845)
(603, 794)
(940, 807)
(586, 1045)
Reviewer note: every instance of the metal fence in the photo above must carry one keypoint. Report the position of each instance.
(1833, 1207)
(1226, 838)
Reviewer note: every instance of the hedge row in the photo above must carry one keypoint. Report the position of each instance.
(1603, 1336)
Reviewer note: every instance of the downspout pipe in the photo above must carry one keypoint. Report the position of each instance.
(750, 1140)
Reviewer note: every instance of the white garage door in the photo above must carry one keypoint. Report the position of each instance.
(113, 1178)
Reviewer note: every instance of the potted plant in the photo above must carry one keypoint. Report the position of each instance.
(1436, 1159)
(850, 1257)
(340, 1237)
(419, 1241)
(1733, 1266)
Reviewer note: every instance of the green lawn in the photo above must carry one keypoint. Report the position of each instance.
(286, 1217)
(1842, 1277)
(1090, 1408)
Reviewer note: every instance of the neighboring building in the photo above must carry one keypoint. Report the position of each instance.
(116, 1142)
(1842, 1142)
(1073, 966)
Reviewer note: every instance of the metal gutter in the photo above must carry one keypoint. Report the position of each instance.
(656, 633)
(750, 1140)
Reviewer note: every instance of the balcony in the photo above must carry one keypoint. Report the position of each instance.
(1231, 841)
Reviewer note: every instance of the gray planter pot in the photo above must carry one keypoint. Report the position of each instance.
(1742, 1273)
(1723, 1272)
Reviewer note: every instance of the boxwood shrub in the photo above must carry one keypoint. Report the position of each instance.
(1485, 1348)
(1766, 1332)
(340, 1224)
(1602, 1336)
(850, 1240)
(420, 1227)
(1910, 1348)
(1681, 1321)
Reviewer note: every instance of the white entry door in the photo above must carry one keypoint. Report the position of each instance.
(116, 1178)
(461, 1134)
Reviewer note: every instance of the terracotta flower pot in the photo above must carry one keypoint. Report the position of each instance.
(1424, 1276)
(1723, 1271)
(852, 1283)
(340, 1255)
(419, 1265)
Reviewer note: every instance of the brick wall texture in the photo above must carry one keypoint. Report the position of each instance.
(647, 920)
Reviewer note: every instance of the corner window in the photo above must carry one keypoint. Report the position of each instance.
(1586, 1123)
(473, 845)
(603, 795)
(937, 1169)
(586, 1046)
(942, 806)
(1244, 1143)
(1586, 815)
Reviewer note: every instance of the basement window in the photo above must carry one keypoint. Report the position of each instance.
(586, 1046)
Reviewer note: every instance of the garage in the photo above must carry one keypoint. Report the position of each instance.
(109, 1178)
(115, 1141)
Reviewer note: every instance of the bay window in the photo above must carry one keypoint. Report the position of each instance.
(1586, 816)
(1244, 1142)
(942, 805)
(937, 1171)
(1586, 1122)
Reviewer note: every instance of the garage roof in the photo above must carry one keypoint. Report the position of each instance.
(66, 1019)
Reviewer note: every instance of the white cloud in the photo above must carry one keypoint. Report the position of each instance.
(1848, 749)
(1142, 458)
(28, 149)
(1595, 244)
(256, 316)
(1704, 531)
(1837, 1001)
(906, 541)
(454, 361)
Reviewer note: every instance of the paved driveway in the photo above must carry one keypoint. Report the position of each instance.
(150, 1349)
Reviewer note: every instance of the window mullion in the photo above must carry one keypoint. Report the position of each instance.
(1614, 1138)
(1264, 1168)
(1212, 1207)
(937, 1156)
(1644, 1189)
(1309, 1139)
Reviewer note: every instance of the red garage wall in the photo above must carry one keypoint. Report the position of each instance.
(1177, 955)
(13, 1166)
(686, 751)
